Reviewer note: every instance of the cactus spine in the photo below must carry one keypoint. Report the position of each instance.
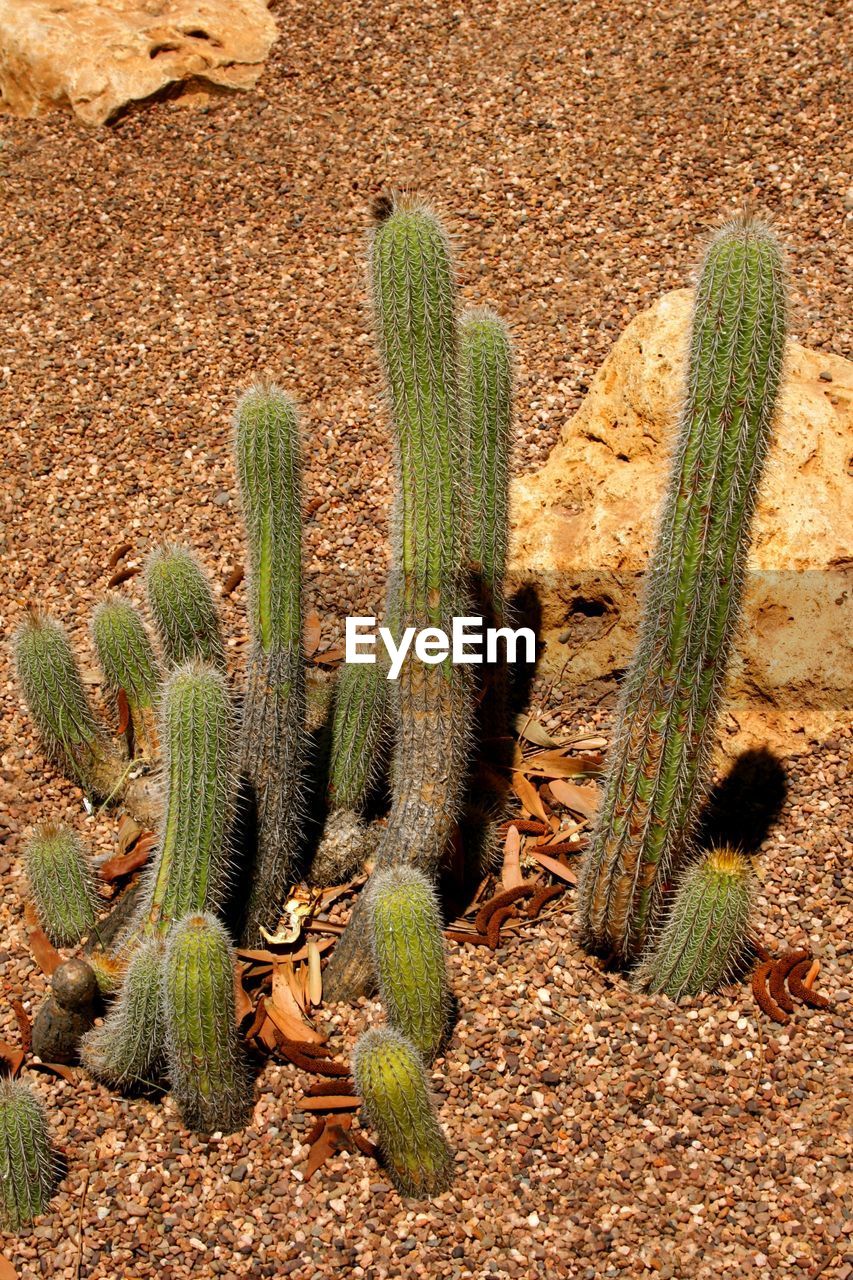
(272, 750)
(408, 954)
(198, 740)
(206, 1064)
(359, 734)
(26, 1159)
(128, 1048)
(415, 312)
(657, 771)
(390, 1079)
(53, 690)
(61, 883)
(129, 665)
(183, 607)
(704, 937)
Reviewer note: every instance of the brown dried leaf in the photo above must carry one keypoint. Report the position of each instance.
(582, 800)
(531, 730)
(136, 857)
(529, 796)
(122, 576)
(315, 976)
(551, 864)
(330, 657)
(330, 1139)
(336, 1102)
(129, 831)
(12, 1056)
(119, 553)
(290, 1021)
(123, 709)
(56, 1069)
(553, 764)
(45, 954)
(311, 633)
(511, 875)
(242, 1000)
(24, 1025)
(233, 580)
(7, 1271)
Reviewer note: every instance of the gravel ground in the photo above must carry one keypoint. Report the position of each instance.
(148, 272)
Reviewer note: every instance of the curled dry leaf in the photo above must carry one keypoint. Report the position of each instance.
(44, 953)
(529, 796)
(553, 865)
(511, 871)
(582, 800)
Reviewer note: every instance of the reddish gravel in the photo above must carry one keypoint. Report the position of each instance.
(148, 272)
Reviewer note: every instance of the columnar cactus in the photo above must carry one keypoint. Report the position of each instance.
(128, 1048)
(704, 937)
(61, 883)
(390, 1080)
(197, 733)
(129, 665)
(183, 607)
(415, 313)
(408, 955)
(359, 734)
(206, 1064)
(657, 771)
(26, 1160)
(59, 705)
(272, 746)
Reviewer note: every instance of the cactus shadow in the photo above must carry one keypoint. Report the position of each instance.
(743, 806)
(525, 610)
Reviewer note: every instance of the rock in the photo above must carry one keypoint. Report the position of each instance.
(67, 1013)
(98, 55)
(583, 527)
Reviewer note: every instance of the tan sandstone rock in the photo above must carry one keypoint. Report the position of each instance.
(584, 525)
(97, 55)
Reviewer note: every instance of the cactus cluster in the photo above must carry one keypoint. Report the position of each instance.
(183, 608)
(658, 766)
(26, 1160)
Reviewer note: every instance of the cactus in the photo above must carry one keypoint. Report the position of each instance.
(128, 1047)
(197, 733)
(414, 305)
(390, 1080)
(27, 1172)
(359, 734)
(183, 607)
(129, 666)
(61, 883)
(408, 955)
(658, 766)
(272, 745)
(704, 937)
(53, 691)
(206, 1065)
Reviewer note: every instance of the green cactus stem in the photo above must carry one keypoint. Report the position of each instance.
(269, 464)
(206, 1065)
(408, 955)
(359, 737)
(183, 608)
(704, 937)
(658, 767)
(129, 665)
(128, 1048)
(390, 1080)
(27, 1170)
(414, 305)
(62, 884)
(53, 690)
(197, 733)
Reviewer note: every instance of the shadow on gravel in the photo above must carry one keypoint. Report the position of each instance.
(744, 805)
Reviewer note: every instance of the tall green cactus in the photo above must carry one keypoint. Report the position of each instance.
(206, 1064)
(128, 1048)
(62, 884)
(408, 954)
(59, 705)
(27, 1170)
(704, 937)
(415, 313)
(657, 771)
(129, 665)
(359, 734)
(272, 745)
(183, 608)
(197, 732)
(390, 1080)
